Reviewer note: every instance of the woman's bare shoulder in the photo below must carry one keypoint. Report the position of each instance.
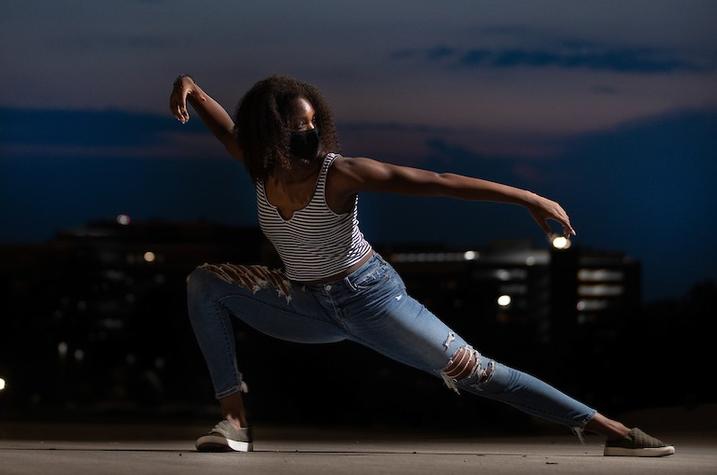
(340, 177)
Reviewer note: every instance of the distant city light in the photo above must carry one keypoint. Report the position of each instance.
(504, 300)
(530, 260)
(599, 290)
(433, 256)
(2, 384)
(592, 304)
(62, 349)
(123, 219)
(600, 275)
(149, 256)
(561, 242)
(470, 255)
(79, 354)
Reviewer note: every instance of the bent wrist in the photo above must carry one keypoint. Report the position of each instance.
(195, 94)
(528, 198)
(186, 82)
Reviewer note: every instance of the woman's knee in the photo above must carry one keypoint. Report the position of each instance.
(200, 278)
(467, 365)
(252, 277)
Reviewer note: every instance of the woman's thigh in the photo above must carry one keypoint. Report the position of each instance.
(387, 319)
(264, 299)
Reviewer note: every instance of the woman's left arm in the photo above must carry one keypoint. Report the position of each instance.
(365, 174)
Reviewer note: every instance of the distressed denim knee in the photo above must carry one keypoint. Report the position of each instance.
(253, 277)
(466, 365)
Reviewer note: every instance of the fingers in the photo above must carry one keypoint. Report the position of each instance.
(567, 228)
(179, 111)
(552, 210)
(565, 221)
(178, 104)
(566, 232)
(174, 106)
(543, 222)
(183, 109)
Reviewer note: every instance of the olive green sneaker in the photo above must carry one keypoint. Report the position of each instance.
(638, 444)
(224, 438)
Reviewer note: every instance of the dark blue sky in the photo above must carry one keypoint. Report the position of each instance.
(568, 99)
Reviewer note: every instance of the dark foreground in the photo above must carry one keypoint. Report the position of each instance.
(60, 448)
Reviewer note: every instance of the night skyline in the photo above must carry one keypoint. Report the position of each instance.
(615, 123)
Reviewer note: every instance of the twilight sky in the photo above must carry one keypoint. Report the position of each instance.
(607, 107)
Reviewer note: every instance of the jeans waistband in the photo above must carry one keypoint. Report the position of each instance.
(368, 266)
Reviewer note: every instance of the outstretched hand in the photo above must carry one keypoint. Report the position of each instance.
(543, 209)
(182, 87)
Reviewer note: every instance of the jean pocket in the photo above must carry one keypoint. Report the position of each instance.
(372, 278)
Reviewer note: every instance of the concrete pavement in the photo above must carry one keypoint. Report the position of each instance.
(137, 449)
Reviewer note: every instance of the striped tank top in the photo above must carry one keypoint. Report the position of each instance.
(315, 242)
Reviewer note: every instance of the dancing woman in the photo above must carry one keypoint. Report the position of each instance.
(334, 286)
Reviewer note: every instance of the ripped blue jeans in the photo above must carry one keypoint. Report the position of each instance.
(369, 306)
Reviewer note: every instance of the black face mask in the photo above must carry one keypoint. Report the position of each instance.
(305, 144)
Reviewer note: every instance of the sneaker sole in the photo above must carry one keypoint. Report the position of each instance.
(646, 452)
(215, 443)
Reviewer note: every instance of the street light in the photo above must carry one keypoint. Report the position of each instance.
(561, 242)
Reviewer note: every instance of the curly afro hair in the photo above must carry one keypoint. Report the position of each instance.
(262, 123)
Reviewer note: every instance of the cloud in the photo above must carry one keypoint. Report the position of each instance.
(363, 126)
(122, 41)
(643, 186)
(107, 133)
(603, 89)
(566, 53)
(440, 52)
(636, 60)
(646, 186)
(87, 127)
(440, 147)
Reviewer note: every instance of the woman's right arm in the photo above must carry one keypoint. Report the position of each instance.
(210, 111)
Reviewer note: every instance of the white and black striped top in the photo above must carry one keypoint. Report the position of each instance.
(316, 242)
